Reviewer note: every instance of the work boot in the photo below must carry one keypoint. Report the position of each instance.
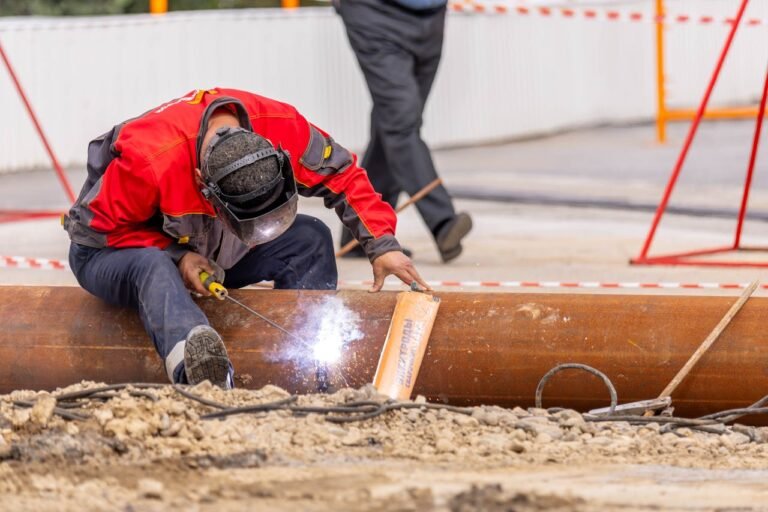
(205, 358)
(449, 236)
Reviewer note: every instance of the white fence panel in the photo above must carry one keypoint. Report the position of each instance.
(502, 76)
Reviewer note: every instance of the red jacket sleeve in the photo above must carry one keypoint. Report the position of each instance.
(328, 170)
(124, 202)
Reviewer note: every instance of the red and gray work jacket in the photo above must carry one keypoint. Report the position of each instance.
(141, 189)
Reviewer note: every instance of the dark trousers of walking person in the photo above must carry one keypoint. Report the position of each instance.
(399, 51)
(147, 280)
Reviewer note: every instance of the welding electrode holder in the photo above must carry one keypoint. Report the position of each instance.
(212, 285)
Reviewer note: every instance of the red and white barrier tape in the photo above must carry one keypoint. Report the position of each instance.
(33, 263)
(54, 264)
(598, 14)
(567, 284)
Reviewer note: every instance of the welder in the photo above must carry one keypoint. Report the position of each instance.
(209, 182)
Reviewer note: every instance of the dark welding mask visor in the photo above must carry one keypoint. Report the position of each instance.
(252, 217)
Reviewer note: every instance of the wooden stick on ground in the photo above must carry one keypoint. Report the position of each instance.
(415, 198)
(719, 328)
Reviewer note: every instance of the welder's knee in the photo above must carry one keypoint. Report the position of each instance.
(313, 235)
(315, 261)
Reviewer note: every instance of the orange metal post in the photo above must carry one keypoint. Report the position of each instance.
(158, 6)
(661, 106)
(290, 4)
(664, 114)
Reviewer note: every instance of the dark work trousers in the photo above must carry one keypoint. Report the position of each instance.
(146, 279)
(398, 51)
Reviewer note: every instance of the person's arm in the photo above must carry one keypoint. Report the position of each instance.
(328, 170)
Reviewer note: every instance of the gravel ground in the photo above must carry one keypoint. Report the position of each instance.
(153, 449)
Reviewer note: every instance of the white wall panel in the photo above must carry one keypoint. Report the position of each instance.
(502, 76)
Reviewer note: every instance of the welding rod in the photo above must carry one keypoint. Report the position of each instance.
(270, 322)
(220, 292)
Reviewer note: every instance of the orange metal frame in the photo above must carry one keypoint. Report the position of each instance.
(665, 114)
(690, 257)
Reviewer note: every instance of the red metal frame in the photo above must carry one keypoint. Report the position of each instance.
(687, 258)
(16, 215)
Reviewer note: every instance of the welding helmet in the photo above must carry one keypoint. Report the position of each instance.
(260, 215)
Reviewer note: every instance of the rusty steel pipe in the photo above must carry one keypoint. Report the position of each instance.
(485, 348)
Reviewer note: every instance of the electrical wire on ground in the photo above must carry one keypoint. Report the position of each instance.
(715, 423)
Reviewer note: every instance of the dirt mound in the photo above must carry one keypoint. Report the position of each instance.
(139, 443)
(135, 424)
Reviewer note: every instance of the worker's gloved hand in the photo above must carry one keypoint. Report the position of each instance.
(398, 264)
(190, 266)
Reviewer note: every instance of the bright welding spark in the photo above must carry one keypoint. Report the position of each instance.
(337, 327)
(327, 351)
(327, 348)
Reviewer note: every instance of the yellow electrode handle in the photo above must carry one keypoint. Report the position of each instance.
(213, 286)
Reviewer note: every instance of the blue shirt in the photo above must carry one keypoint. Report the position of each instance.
(421, 5)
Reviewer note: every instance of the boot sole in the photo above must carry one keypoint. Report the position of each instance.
(205, 358)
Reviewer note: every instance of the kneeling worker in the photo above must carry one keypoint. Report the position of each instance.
(208, 181)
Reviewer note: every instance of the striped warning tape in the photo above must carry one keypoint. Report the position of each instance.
(34, 263)
(54, 264)
(472, 7)
(568, 284)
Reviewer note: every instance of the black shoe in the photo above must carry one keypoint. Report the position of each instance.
(449, 237)
(205, 357)
(358, 252)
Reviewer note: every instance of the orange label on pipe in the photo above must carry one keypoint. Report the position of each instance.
(405, 345)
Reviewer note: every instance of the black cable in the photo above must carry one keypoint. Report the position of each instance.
(757, 405)
(362, 416)
(745, 411)
(186, 394)
(369, 409)
(67, 415)
(85, 393)
(642, 420)
(249, 409)
(108, 395)
(577, 366)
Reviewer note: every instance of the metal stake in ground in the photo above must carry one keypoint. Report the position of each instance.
(418, 196)
(719, 328)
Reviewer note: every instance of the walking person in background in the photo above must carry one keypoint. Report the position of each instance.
(398, 44)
